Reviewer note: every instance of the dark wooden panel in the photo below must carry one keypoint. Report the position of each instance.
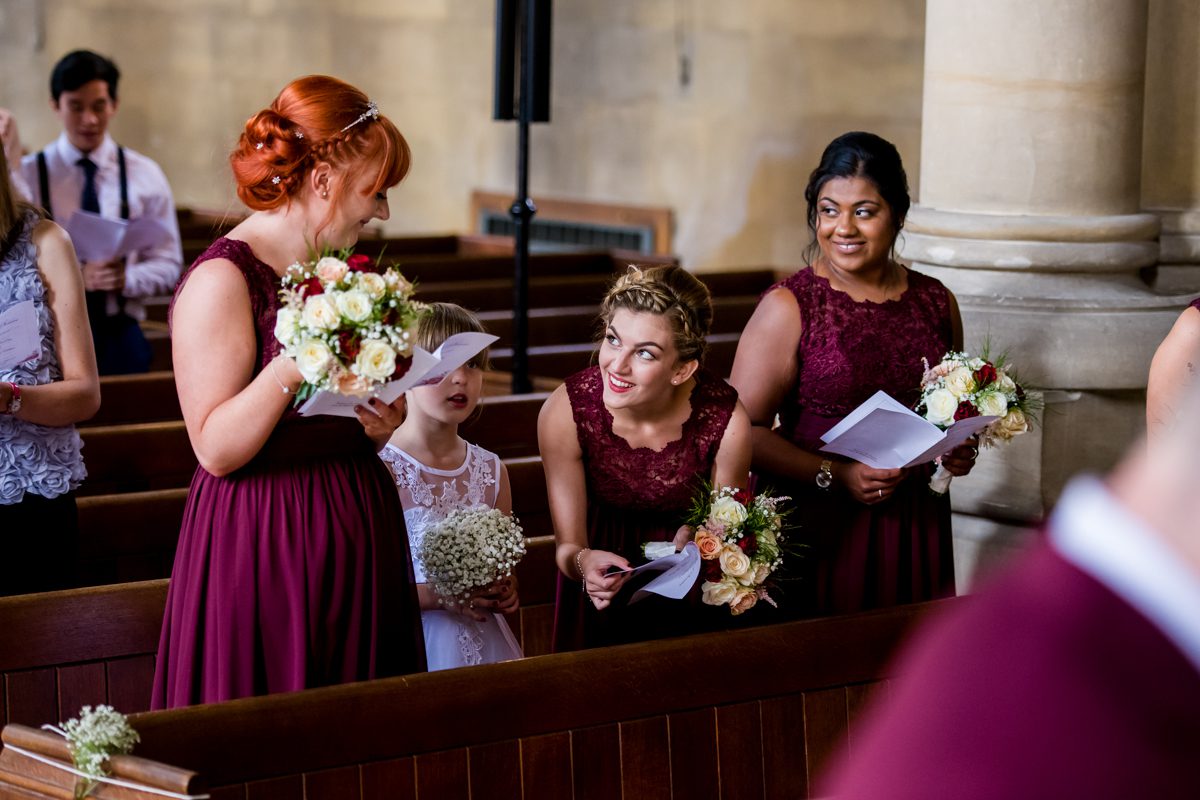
(537, 629)
(739, 751)
(333, 784)
(129, 683)
(546, 767)
(32, 697)
(290, 787)
(443, 776)
(785, 769)
(495, 771)
(859, 698)
(229, 793)
(389, 780)
(694, 772)
(824, 728)
(596, 761)
(81, 685)
(646, 759)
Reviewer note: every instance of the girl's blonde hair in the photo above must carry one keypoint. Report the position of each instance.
(12, 207)
(443, 320)
(670, 292)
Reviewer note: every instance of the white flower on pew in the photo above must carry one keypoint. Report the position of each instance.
(470, 549)
(93, 737)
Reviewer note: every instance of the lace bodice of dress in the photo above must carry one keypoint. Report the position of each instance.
(848, 350)
(429, 495)
(640, 478)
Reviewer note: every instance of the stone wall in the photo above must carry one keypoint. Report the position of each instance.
(717, 110)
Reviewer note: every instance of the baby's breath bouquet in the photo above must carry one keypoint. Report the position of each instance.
(350, 324)
(93, 737)
(470, 549)
(740, 538)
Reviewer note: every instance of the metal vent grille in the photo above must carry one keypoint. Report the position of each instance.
(551, 235)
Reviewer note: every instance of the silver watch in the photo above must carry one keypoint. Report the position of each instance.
(825, 475)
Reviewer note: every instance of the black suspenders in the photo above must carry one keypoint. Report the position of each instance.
(44, 183)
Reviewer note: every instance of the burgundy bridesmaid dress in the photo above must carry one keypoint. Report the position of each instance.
(293, 571)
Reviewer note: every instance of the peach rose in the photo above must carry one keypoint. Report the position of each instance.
(330, 269)
(709, 544)
(743, 601)
(734, 562)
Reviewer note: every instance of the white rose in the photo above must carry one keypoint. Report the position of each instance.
(397, 282)
(940, 406)
(1006, 384)
(372, 284)
(718, 594)
(992, 404)
(320, 313)
(728, 512)
(762, 571)
(736, 563)
(376, 360)
(330, 269)
(287, 325)
(354, 305)
(1013, 423)
(313, 360)
(960, 382)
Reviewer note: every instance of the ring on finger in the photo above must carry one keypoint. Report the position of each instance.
(974, 453)
(881, 494)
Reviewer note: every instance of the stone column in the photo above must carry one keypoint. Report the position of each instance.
(1030, 211)
(1171, 147)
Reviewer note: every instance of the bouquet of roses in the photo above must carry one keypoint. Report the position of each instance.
(961, 387)
(348, 323)
(740, 539)
(470, 549)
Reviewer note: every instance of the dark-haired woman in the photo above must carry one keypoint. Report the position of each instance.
(626, 444)
(292, 569)
(852, 322)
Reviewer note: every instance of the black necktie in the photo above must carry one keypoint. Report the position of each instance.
(89, 200)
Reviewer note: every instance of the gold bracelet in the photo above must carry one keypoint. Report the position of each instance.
(579, 566)
(275, 375)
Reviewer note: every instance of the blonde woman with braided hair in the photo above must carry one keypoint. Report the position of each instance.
(625, 445)
(292, 569)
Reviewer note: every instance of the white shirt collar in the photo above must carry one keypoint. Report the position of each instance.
(103, 155)
(1091, 529)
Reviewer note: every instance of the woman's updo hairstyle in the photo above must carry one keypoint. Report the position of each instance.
(671, 292)
(860, 155)
(315, 119)
(441, 321)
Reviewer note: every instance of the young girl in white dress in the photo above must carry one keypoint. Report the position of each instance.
(436, 472)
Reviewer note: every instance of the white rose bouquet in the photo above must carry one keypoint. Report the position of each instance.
(349, 324)
(740, 539)
(470, 549)
(961, 387)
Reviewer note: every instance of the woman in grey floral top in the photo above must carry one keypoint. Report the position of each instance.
(41, 398)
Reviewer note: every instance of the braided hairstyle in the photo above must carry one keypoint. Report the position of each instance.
(671, 292)
(307, 125)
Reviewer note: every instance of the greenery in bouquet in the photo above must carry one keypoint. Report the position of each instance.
(470, 549)
(741, 542)
(349, 323)
(962, 386)
(93, 737)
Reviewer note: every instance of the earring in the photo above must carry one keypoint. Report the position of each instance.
(325, 194)
(674, 381)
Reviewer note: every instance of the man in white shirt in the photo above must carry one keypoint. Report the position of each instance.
(84, 169)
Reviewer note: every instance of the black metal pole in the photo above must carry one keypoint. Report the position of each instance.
(523, 208)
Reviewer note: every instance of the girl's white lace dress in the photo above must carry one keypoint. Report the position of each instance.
(428, 496)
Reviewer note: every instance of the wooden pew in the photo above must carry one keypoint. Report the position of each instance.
(131, 536)
(151, 396)
(65, 649)
(749, 713)
(140, 457)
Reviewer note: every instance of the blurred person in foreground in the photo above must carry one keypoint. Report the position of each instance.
(1076, 673)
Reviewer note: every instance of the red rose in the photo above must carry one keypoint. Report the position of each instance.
(742, 496)
(402, 366)
(749, 544)
(350, 344)
(965, 411)
(359, 263)
(1020, 392)
(391, 317)
(312, 287)
(985, 375)
(712, 570)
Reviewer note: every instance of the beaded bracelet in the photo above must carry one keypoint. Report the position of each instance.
(579, 567)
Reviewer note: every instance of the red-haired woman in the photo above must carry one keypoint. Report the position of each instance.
(292, 569)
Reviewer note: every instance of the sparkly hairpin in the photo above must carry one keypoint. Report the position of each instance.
(275, 180)
(372, 112)
(258, 146)
(299, 134)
